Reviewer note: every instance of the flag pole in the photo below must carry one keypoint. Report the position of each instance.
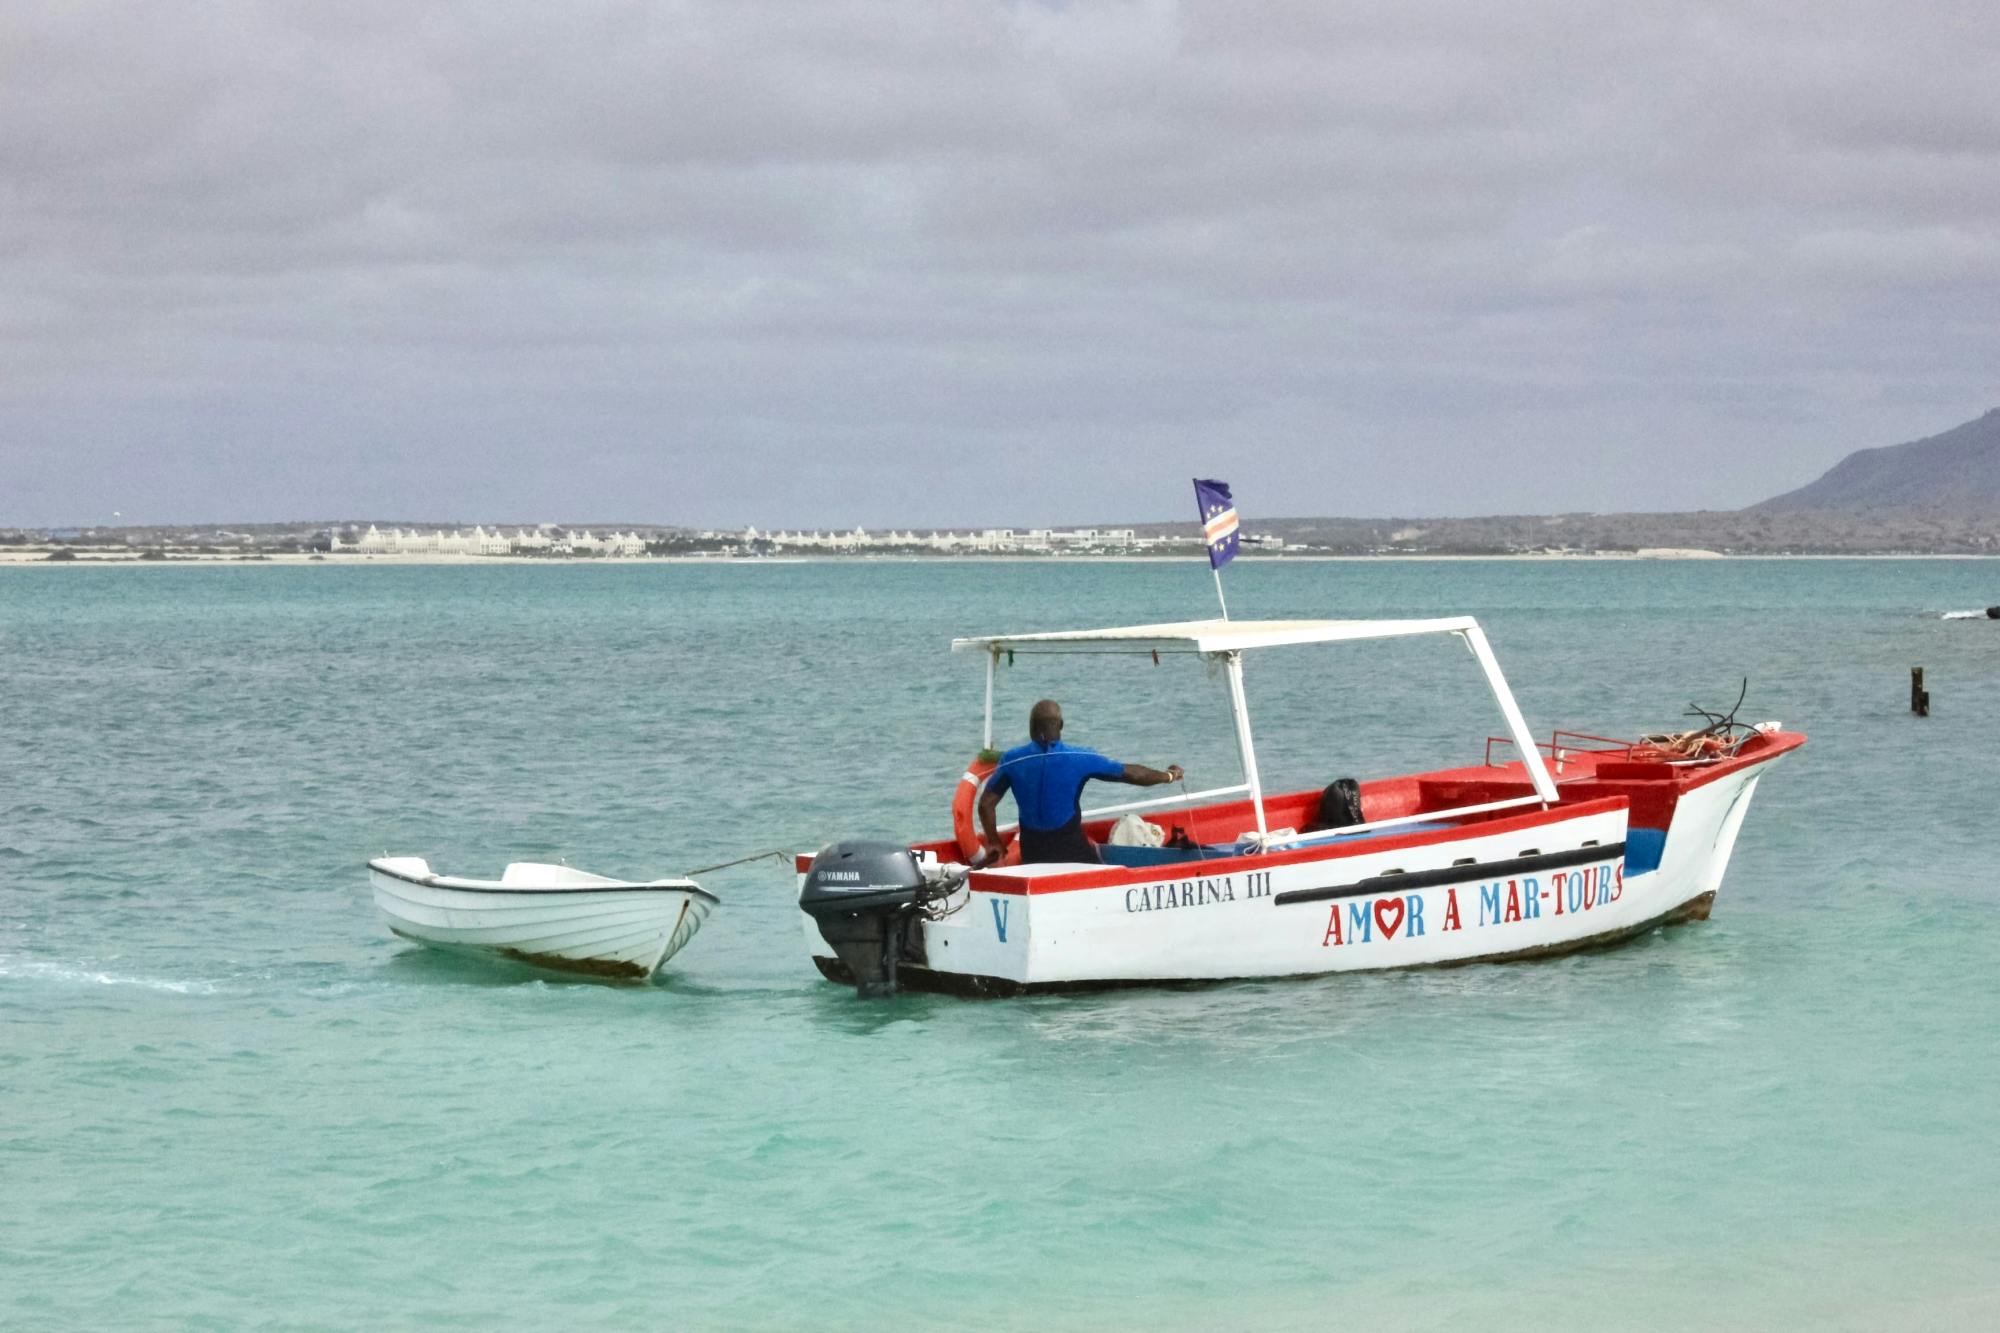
(1216, 510)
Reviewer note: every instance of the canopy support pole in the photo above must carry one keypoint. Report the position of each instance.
(992, 666)
(1233, 664)
(1517, 727)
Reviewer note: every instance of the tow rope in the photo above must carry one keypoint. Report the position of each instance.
(776, 852)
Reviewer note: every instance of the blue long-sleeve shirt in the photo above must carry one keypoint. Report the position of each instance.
(1047, 781)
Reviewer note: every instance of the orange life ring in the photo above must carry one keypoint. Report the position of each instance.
(965, 800)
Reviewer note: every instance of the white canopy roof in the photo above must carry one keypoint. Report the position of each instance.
(1210, 636)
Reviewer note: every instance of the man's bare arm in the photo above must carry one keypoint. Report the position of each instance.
(989, 818)
(1138, 775)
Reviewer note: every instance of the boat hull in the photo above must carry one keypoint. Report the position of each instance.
(598, 931)
(913, 977)
(1532, 886)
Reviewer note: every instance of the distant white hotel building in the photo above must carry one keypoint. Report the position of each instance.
(549, 540)
(989, 540)
(480, 541)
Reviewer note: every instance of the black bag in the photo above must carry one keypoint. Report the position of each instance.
(1339, 806)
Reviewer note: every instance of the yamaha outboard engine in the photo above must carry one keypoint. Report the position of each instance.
(863, 896)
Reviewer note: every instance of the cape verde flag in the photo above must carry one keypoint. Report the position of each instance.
(1218, 520)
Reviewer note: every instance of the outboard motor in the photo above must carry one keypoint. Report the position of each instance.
(862, 895)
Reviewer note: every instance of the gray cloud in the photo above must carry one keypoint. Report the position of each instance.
(934, 264)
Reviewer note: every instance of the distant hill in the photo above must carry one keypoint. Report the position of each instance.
(1957, 472)
(1939, 495)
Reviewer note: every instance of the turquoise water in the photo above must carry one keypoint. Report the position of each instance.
(229, 1098)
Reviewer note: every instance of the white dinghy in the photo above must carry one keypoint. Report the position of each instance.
(546, 915)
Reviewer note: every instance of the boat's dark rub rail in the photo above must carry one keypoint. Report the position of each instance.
(658, 886)
(1430, 879)
(914, 978)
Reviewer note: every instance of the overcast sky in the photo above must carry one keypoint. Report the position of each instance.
(946, 262)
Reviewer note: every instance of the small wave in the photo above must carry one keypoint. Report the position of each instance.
(34, 970)
(1964, 615)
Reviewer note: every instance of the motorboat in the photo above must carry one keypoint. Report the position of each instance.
(551, 916)
(1538, 849)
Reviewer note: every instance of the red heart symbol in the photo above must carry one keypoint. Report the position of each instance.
(1387, 921)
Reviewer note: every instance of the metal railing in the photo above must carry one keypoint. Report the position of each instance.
(1556, 749)
(1283, 839)
(1161, 802)
(1279, 840)
(1188, 799)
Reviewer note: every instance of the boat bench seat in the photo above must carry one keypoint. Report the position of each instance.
(1115, 854)
(1449, 793)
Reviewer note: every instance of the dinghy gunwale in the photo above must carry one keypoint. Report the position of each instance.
(452, 883)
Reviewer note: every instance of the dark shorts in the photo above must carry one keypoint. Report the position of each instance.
(1068, 843)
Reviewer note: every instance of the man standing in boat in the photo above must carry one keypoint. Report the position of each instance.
(1047, 777)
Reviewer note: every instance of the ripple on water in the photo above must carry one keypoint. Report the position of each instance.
(74, 974)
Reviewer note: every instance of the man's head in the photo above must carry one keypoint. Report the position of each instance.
(1045, 721)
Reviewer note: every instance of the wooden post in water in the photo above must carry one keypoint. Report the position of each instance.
(1920, 698)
